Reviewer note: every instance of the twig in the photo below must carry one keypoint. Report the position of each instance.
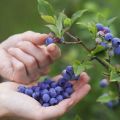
(71, 36)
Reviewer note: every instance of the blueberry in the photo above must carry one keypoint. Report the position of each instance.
(59, 98)
(69, 90)
(108, 36)
(29, 91)
(37, 89)
(21, 89)
(53, 101)
(49, 40)
(45, 91)
(33, 88)
(42, 85)
(46, 98)
(106, 30)
(54, 84)
(65, 95)
(70, 69)
(77, 77)
(104, 44)
(48, 81)
(52, 92)
(62, 81)
(46, 105)
(68, 84)
(109, 104)
(36, 95)
(104, 83)
(99, 27)
(66, 75)
(58, 89)
(117, 50)
(115, 42)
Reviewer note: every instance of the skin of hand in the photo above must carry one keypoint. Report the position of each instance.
(24, 57)
(15, 104)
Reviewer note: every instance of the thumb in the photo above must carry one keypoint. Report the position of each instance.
(35, 38)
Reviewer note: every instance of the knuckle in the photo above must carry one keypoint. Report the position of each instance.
(19, 67)
(32, 61)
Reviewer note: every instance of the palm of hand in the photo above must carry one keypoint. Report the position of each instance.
(21, 105)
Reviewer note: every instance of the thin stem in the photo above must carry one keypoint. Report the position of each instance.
(71, 36)
(100, 61)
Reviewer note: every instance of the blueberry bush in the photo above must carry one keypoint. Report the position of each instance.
(85, 45)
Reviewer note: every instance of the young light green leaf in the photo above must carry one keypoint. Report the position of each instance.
(106, 98)
(45, 8)
(48, 19)
(77, 15)
(114, 76)
(110, 21)
(53, 29)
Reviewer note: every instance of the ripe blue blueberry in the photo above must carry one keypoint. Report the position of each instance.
(66, 75)
(49, 40)
(46, 105)
(33, 88)
(69, 69)
(53, 101)
(29, 91)
(117, 50)
(21, 89)
(106, 30)
(108, 36)
(109, 104)
(36, 95)
(68, 84)
(37, 89)
(45, 98)
(61, 81)
(115, 42)
(58, 89)
(42, 85)
(69, 90)
(48, 81)
(59, 98)
(45, 91)
(104, 44)
(99, 27)
(54, 84)
(52, 92)
(65, 95)
(104, 83)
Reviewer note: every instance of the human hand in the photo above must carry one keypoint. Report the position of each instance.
(13, 103)
(24, 58)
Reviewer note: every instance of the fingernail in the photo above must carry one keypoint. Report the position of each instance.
(52, 48)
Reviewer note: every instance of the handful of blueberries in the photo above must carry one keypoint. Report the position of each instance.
(50, 92)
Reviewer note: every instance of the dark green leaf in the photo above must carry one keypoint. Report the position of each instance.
(97, 50)
(76, 16)
(48, 19)
(45, 8)
(114, 76)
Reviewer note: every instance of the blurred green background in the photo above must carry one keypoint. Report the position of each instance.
(21, 15)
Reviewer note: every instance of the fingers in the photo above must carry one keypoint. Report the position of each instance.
(54, 51)
(38, 53)
(57, 110)
(19, 73)
(35, 38)
(80, 93)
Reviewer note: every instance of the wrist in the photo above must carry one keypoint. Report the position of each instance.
(3, 111)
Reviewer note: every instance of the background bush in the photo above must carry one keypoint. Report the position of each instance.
(21, 15)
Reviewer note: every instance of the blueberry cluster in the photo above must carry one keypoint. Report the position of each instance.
(49, 92)
(106, 39)
(51, 40)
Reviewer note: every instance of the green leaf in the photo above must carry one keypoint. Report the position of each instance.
(59, 24)
(67, 22)
(97, 50)
(77, 117)
(48, 19)
(45, 8)
(114, 76)
(53, 29)
(110, 21)
(76, 16)
(107, 97)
